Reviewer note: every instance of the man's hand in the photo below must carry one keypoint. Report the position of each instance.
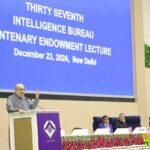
(37, 94)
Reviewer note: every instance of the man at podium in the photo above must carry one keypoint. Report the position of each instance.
(17, 102)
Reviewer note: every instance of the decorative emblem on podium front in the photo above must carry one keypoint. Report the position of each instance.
(49, 128)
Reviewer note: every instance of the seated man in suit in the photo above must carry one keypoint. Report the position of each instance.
(121, 121)
(105, 124)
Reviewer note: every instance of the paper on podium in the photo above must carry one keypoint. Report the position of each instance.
(122, 131)
(100, 131)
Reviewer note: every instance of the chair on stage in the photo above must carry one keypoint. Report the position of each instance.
(133, 121)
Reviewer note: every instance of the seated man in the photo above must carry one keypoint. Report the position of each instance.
(121, 121)
(105, 124)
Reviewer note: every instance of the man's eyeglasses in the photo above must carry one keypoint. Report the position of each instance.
(22, 89)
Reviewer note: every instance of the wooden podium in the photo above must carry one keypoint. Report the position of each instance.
(35, 130)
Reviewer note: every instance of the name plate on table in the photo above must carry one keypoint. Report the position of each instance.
(122, 131)
(79, 132)
(141, 130)
(101, 131)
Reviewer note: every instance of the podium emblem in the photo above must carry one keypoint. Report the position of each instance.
(49, 128)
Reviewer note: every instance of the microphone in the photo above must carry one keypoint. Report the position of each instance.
(40, 107)
(27, 99)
